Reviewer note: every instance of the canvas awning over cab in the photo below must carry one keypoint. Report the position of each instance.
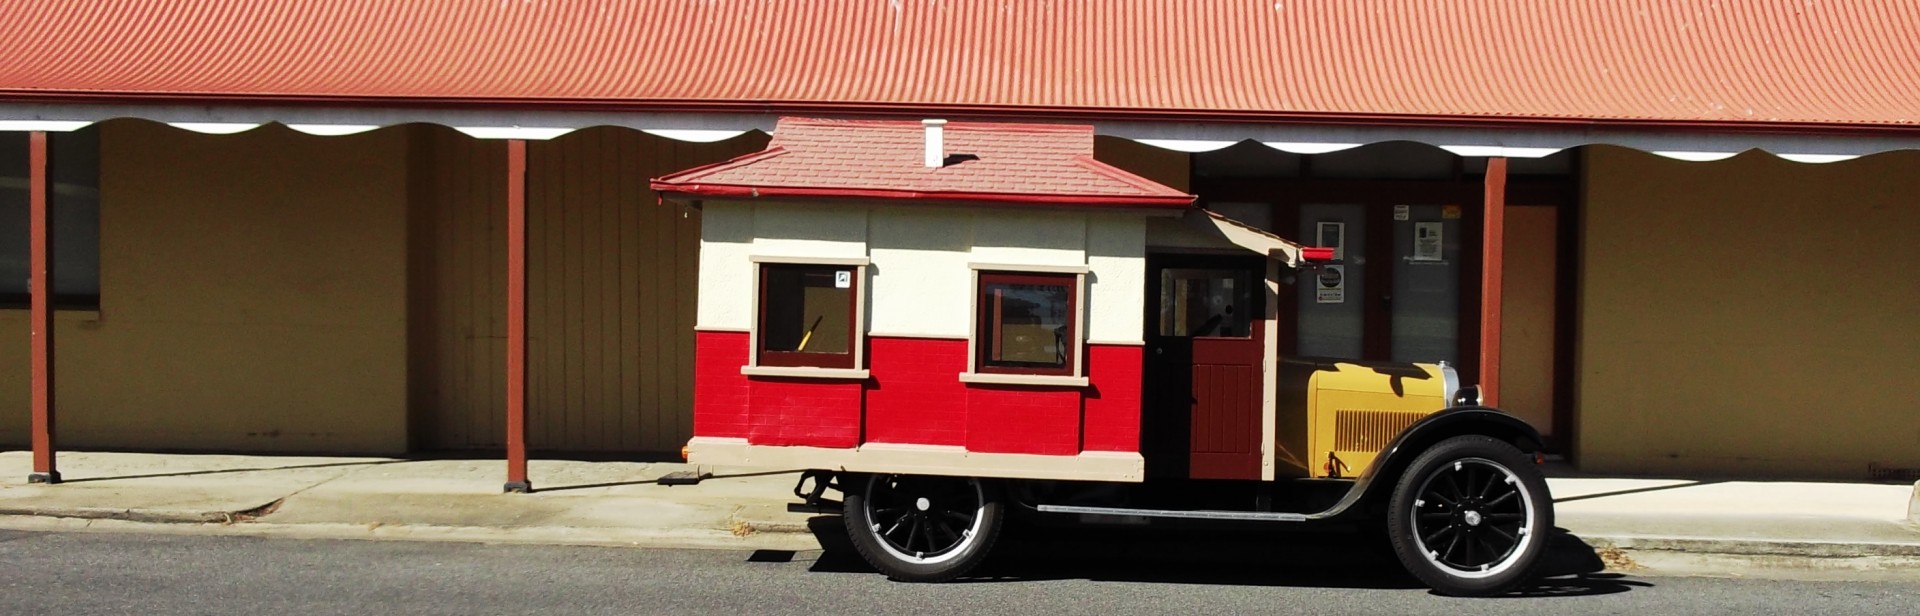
(1255, 239)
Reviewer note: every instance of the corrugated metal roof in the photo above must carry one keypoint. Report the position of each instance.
(872, 159)
(1798, 62)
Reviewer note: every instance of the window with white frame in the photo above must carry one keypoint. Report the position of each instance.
(809, 315)
(1027, 323)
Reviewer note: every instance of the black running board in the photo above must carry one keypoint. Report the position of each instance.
(1257, 516)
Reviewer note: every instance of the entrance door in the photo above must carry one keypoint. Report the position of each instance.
(1206, 342)
(1394, 290)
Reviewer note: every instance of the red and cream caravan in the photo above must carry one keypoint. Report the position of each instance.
(946, 320)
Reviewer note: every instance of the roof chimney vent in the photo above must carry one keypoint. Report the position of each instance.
(936, 143)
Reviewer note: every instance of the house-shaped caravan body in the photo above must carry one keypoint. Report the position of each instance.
(968, 299)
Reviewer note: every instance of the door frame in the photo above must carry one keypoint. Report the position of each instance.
(1169, 451)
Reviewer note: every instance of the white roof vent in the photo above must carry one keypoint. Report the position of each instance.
(936, 143)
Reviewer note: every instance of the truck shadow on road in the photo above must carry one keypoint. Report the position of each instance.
(1327, 557)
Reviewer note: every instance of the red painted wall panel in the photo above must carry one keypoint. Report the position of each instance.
(1113, 403)
(916, 395)
(720, 391)
(804, 412)
(1019, 419)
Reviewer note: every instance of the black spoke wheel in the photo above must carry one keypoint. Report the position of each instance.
(1471, 516)
(919, 528)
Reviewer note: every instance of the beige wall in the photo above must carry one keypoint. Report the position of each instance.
(1752, 316)
(611, 291)
(1165, 166)
(1527, 315)
(252, 298)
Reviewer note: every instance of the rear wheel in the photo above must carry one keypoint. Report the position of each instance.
(1470, 517)
(918, 528)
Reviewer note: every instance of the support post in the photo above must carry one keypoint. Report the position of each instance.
(40, 309)
(1493, 249)
(517, 317)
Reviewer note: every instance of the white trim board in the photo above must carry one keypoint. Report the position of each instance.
(1121, 466)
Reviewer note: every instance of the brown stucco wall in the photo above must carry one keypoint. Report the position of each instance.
(610, 307)
(1752, 316)
(1160, 165)
(1527, 316)
(253, 298)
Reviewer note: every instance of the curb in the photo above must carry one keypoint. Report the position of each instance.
(1757, 547)
(146, 516)
(126, 515)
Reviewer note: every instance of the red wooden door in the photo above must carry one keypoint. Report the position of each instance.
(1207, 339)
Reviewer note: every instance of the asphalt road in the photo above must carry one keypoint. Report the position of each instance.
(118, 573)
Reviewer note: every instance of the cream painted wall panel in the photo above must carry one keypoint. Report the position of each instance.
(1014, 237)
(809, 230)
(1751, 316)
(253, 297)
(726, 275)
(1116, 254)
(921, 283)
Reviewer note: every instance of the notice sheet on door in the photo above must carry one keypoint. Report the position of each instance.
(1427, 244)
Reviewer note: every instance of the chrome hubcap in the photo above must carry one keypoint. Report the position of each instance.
(924, 519)
(1472, 517)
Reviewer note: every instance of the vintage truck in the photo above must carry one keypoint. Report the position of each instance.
(944, 322)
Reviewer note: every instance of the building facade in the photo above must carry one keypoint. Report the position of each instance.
(1678, 276)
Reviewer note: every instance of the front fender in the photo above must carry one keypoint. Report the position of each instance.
(1377, 480)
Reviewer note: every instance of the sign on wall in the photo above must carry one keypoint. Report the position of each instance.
(1330, 286)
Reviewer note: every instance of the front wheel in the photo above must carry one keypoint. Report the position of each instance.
(917, 528)
(1470, 517)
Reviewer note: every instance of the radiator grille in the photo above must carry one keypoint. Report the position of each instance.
(1369, 431)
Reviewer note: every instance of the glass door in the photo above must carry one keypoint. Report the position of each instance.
(1331, 301)
(1425, 303)
(1393, 291)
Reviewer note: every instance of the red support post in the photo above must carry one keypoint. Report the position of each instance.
(517, 317)
(1492, 278)
(40, 309)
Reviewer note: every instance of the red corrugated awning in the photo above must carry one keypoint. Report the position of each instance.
(1037, 164)
(1773, 64)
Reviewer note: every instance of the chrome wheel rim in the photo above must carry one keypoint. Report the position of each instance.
(1472, 518)
(924, 520)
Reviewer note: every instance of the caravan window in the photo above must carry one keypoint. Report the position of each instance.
(1026, 323)
(808, 315)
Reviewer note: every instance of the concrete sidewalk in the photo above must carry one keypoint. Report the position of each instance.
(1633, 523)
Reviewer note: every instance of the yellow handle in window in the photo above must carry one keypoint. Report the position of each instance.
(809, 335)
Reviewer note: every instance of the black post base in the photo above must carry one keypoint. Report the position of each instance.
(49, 477)
(519, 487)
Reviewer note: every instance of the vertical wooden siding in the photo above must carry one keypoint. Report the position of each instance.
(611, 290)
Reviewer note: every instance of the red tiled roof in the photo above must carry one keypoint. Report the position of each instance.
(1774, 64)
(870, 159)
